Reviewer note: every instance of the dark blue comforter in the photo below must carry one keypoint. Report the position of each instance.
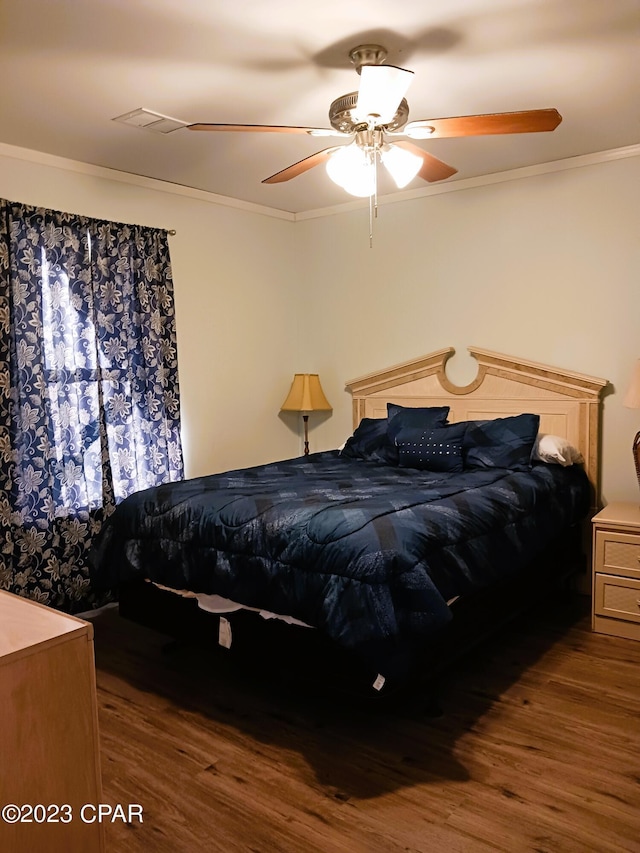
(368, 553)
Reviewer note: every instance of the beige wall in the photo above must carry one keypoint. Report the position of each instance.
(545, 267)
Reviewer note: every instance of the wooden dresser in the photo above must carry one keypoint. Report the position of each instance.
(49, 747)
(616, 570)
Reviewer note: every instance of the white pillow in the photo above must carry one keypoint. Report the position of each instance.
(555, 449)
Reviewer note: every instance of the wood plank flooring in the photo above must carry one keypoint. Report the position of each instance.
(536, 747)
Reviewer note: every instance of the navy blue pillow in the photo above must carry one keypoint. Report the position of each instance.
(432, 449)
(369, 441)
(501, 443)
(407, 417)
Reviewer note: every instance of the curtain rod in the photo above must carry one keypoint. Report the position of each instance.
(172, 232)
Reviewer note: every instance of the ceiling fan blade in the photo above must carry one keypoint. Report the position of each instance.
(382, 88)
(432, 169)
(266, 128)
(527, 121)
(301, 166)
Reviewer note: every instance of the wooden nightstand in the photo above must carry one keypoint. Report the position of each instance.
(616, 571)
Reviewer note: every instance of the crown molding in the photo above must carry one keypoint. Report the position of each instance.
(81, 168)
(53, 161)
(481, 181)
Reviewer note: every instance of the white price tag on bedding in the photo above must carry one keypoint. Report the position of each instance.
(224, 633)
(378, 684)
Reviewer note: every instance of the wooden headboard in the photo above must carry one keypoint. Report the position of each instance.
(568, 403)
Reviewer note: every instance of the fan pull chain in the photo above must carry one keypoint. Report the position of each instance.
(373, 199)
(371, 221)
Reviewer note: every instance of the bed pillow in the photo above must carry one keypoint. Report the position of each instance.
(437, 449)
(369, 441)
(555, 450)
(501, 443)
(408, 417)
(429, 416)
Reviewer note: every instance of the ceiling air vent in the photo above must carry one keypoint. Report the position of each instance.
(148, 120)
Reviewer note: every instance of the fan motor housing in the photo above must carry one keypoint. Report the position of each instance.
(341, 118)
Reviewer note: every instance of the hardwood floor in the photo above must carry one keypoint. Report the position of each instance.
(536, 748)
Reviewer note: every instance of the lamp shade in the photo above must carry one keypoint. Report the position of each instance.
(632, 397)
(306, 395)
(382, 88)
(352, 169)
(402, 165)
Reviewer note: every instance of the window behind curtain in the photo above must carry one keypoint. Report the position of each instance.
(89, 397)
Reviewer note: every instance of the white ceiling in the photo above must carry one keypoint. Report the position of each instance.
(68, 67)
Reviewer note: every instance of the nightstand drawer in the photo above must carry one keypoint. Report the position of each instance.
(617, 553)
(617, 598)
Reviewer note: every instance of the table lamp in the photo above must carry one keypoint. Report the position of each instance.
(305, 396)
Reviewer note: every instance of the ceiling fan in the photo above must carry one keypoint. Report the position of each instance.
(374, 117)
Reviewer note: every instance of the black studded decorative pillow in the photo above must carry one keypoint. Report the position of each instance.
(438, 449)
(410, 417)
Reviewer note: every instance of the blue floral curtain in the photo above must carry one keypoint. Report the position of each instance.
(89, 402)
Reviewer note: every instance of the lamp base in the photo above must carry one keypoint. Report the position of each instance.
(305, 418)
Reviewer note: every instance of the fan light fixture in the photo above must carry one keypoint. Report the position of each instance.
(402, 165)
(382, 88)
(353, 167)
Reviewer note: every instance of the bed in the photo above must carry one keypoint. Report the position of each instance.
(447, 510)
